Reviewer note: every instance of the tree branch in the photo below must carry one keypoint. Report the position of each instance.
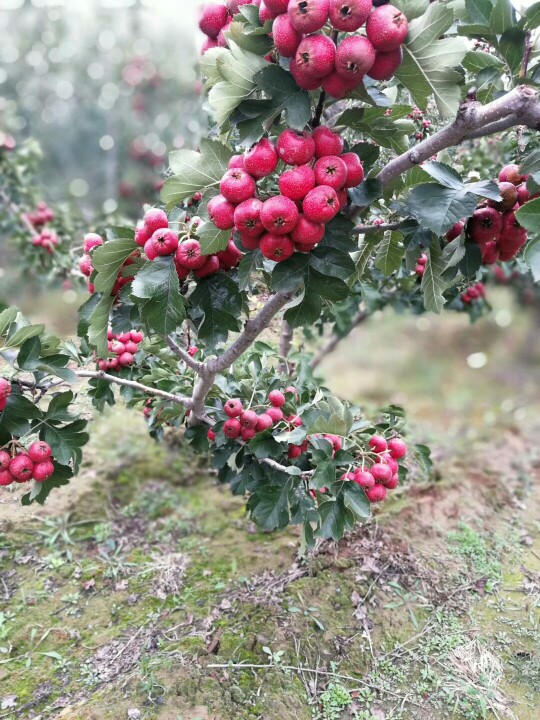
(518, 107)
(285, 345)
(362, 229)
(184, 355)
(334, 341)
(99, 375)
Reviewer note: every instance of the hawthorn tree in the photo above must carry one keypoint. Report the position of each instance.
(333, 184)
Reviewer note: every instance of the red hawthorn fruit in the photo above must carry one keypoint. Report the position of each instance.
(397, 447)
(210, 267)
(490, 252)
(212, 18)
(39, 451)
(222, 39)
(510, 173)
(523, 194)
(230, 257)
(509, 194)
(294, 451)
(6, 478)
(387, 459)
(295, 420)
(237, 185)
(338, 87)
(233, 5)
(484, 225)
(355, 171)
(5, 387)
(364, 478)
(349, 15)
(276, 247)
(303, 248)
(304, 80)
(132, 347)
(392, 483)
(164, 241)
(286, 37)
(21, 467)
(208, 44)
(249, 243)
(386, 28)
(347, 476)
(155, 219)
(275, 413)
(316, 55)
(277, 7)
(265, 14)
(307, 232)
(221, 212)
(354, 57)
(262, 159)
(211, 435)
(343, 198)
(43, 471)
(292, 390)
(327, 142)
(335, 441)
(376, 494)
(126, 359)
(124, 337)
(181, 271)
(236, 163)
(141, 234)
(296, 183)
(232, 428)
(279, 215)
(233, 408)
(247, 218)
(308, 16)
(136, 336)
(5, 459)
(276, 398)
(188, 254)
(378, 443)
(321, 204)
(264, 422)
(386, 64)
(455, 231)
(85, 265)
(295, 148)
(247, 433)
(331, 171)
(90, 241)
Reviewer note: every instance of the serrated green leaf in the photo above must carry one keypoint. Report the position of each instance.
(289, 274)
(502, 17)
(531, 256)
(528, 215)
(108, 259)
(329, 261)
(438, 208)
(98, 324)
(270, 508)
(216, 306)
(433, 286)
(248, 265)
(305, 311)
(212, 239)
(195, 171)
(390, 253)
(476, 60)
(158, 287)
(454, 251)
(356, 500)
(22, 334)
(7, 317)
(368, 243)
(280, 86)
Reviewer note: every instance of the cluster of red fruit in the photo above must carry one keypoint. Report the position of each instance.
(124, 346)
(475, 292)
(316, 62)
(420, 268)
(158, 240)
(32, 464)
(312, 192)
(493, 225)
(47, 239)
(5, 391)
(41, 216)
(382, 474)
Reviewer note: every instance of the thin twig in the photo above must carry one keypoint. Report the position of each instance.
(99, 375)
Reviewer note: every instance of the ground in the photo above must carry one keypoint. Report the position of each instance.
(143, 591)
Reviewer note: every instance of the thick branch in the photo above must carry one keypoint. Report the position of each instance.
(518, 107)
(334, 341)
(184, 355)
(98, 375)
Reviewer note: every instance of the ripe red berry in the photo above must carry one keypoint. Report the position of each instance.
(262, 159)
(386, 64)
(5, 387)
(132, 347)
(126, 359)
(164, 241)
(39, 451)
(455, 231)
(381, 472)
(511, 173)
(237, 185)
(6, 478)
(208, 44)
(355, 171)
(247, 433)
(141, 234)
(397, 447)
(295, 420)
(232, 428)
(327, 142)
(275, 413)
(277, 7)
(338, 87)
(279, 215)
(286, 37)
(276, 247)
(116, 347)
(387, 459)
(349, 15)
(264, 422)
(188, 254)
(378, 444)
(5, 459)
(308, 16)
(392, 483)
(237, 161)
(211, 435)
(136, 336)
(523, 194)
(155, 219)
(43, 471)
(509, 194)
(295, 148)
(335, 441)
(296, 183)
(230, 257)
(364, 478)
(321, 204)
(376, 494)
(303, 79)
(484, 225)
(331, 171)
(294, 451)
(354, 57)
(249, 243)
(221, 212)
(387, 28)
(210, 267)
(85, 265)
(21, 467)
(90, 241)
(316, 56)
(247, 218)
(307, 232)
(277, 398)
(249, 419)
(212, 18)
(233, 408)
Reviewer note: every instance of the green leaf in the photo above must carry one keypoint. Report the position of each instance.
(305, 310)
(356, 500)
(98, 324)
(368, 243)
(280, 86)
(438, 208)
(257, 44)
(248, 265)
(471, 262)
(108, 259)
(531, 17)
(325, 471)
(40, 491)
(28, 355)
(7, 318)
(332, 524)
(328, 287)
(195, 171)
(433, 286)
(289, 275)
(479, 11)
(212, 239)
(23, 334)
(454, 251)
(374, 122)
(66, 441)
(502, 17)
(216, 306)
(529, 164)
(329, 261)
(476, 60)
(270, 508)
(412, 8)
(429, 63)
(368, 153)
(390, 253)
(510, 47)
(528, 215)
(158, 286)
(531, 256)
(367, 192)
